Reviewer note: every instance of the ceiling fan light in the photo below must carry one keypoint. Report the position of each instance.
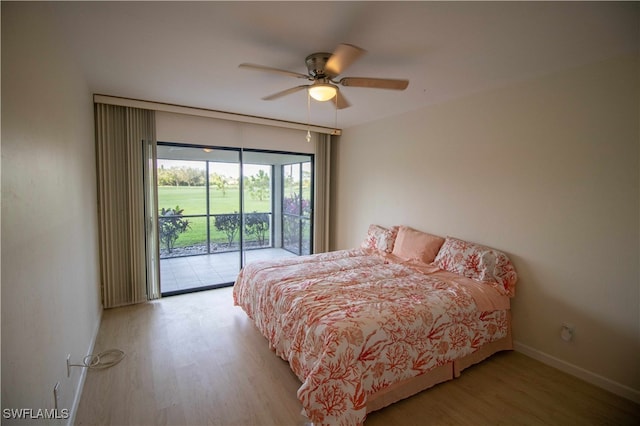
(322, 92)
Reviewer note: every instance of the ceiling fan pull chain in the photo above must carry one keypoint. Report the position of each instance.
(308, 116)
(336, 109)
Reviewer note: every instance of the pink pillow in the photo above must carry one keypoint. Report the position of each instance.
(416, 245)
(380, 238)
(479, 263)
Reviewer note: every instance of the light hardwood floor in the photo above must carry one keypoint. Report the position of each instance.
(196, 359)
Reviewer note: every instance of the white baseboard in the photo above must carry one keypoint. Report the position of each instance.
(574, 370)
(83, 375)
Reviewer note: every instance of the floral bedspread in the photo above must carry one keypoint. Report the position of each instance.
(351, 323)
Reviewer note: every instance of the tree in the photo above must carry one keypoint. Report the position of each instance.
(259, 185)
(172, 224)
(229, 224)
(195, 177)
(167, 177)
(180, 176)
(220, 182)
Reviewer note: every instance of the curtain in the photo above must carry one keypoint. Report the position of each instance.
(124, 136)
(322, 177)
(151, 218)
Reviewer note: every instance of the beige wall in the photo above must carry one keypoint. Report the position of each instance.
(189, 129)
(545, 170)
(50, 278)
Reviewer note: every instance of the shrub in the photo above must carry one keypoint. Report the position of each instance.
(172, 224)
(229, 224)
(257, 224)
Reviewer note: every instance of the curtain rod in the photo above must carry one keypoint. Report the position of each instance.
(201, 112)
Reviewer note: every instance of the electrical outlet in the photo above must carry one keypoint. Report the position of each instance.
(56, 395)
(69, 365)
(567, 331)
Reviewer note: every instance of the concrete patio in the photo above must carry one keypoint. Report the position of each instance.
(183, 274)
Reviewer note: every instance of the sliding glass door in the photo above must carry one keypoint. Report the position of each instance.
(286, 189)
(199, 201)
(220, 208)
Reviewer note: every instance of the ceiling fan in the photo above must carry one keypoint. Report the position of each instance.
(324, 69)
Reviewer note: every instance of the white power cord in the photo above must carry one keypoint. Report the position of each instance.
(102, 360)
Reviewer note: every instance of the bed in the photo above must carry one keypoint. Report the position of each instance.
(366, 327)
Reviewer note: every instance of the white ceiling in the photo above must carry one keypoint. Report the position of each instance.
(188, 53)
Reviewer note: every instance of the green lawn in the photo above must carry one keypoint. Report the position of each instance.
(193, 201)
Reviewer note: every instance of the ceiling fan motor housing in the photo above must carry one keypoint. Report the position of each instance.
(316, 63)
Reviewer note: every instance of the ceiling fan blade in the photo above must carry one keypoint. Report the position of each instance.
(285, 92)
(273, 70)
(340, 102)
(342, 58)
(376, 83)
